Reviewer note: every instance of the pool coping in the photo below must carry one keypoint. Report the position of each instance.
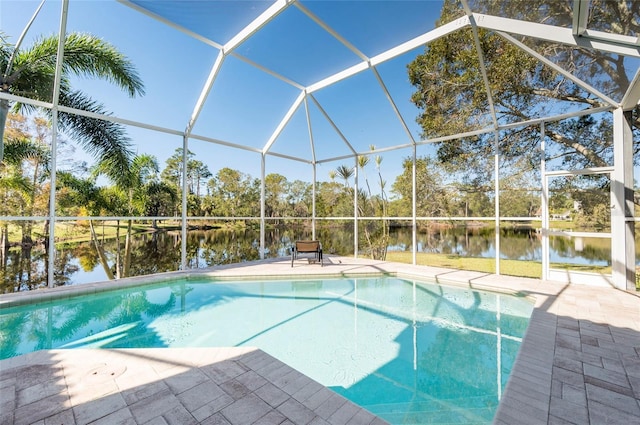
(218, 274)
(579, 361)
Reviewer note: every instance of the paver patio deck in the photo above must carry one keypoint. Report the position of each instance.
(579, 363)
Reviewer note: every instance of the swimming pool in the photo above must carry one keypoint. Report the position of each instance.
(408, 351)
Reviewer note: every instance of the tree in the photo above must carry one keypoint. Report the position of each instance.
(432, 197)
(197, 173)
(332, 200)
(233, 194)
(16, 190)
(474, 200)
(376, 232)
(160, 200)
(299, 198)
(22, 190)
(31, 73)
(172, 172)
(518, 197)
(140, 187)
(74, 191)
(276, 188)
(451, 95)
(344, 172)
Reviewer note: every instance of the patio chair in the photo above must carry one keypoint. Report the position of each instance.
(307, 247)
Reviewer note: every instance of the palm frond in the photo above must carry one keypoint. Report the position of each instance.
(18, 183)
(106, 141)
(17, 150)
(84, 55)
(88, 55)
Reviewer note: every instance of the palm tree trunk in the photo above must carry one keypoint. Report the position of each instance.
(118, 256)
(4, 113)
(26, 263)
(103, 258)
(26, 237)
(4, 238)
(127, 251)
(4, 245)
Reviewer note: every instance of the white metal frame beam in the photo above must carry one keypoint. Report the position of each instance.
(483, 68)
(558, 69)
(331, 31)
(265, 17)
(580, 16)
(213, 74)
(403, 48)
(622, 205)
(365, 60)
(612, 43)
(274, 10)
(632, 97)
(393, 105)
(208, 42)
(283, 123)
(312, 145)
(333, 124)
(170, 23)
(62, 31)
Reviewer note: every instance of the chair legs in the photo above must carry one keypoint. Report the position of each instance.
(317, 255)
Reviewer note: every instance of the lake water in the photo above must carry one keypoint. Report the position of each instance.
(156, 252)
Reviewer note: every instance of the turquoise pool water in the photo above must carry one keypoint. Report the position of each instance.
(411, 352)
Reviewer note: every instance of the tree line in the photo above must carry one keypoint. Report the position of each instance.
(149, 189)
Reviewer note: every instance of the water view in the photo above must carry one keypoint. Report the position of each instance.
(25, 267)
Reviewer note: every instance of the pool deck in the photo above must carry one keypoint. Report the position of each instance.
(579, 363)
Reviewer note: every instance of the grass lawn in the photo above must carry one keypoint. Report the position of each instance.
(531, 269)
(78, 231)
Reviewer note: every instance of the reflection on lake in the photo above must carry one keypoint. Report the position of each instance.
(155, 252)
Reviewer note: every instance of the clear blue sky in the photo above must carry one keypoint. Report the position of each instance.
(245, 104)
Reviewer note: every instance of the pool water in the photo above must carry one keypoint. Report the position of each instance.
(411, 352)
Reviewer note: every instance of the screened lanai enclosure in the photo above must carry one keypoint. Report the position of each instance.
(150, 136)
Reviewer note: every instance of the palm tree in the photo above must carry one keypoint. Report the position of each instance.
(144, 194)
(18, 192)
(376, 233)
(345, 173)
(14, 189)
(30, 73)
(85, 192)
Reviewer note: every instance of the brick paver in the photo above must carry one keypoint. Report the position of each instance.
(35, 388)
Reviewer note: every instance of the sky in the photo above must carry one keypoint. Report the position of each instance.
(245, 104)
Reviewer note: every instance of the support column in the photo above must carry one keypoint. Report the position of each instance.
(622, 206)
(496, 164)
(313, 202)
(414, 226)
(51, 247)
(355, 210)
(185, 229)
(544, 205)
(262, 204)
